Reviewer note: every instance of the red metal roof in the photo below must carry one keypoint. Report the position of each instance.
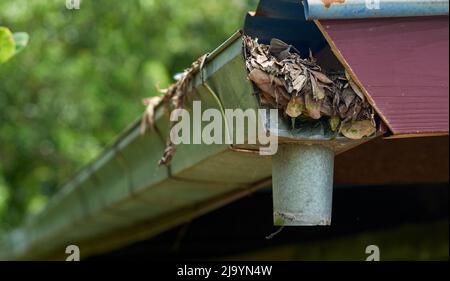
(403, 64)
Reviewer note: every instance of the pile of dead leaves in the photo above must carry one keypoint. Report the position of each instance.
(286, 81)
(300, 88)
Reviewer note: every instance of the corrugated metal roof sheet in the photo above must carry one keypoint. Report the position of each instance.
(403, 63)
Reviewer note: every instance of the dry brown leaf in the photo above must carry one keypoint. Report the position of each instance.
(299, 83)
(268, 100)
(294, 73)
(326, 108)
(318, 91)
(343, 111)
(280, 49)
(281, 96)
(348, 96)
(277, 81)
(358, 129)
(267, 64)
(321, 77)
(295, 107)
(262, 80)
(353, 85)
(168, 154)
(355, 112)
(334, 123)
(148, 119)
(271, 85)
(312, 106)
(261, 59)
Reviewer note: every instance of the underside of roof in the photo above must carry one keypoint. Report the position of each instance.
(124, 195)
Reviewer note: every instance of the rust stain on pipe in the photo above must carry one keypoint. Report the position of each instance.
(327, 3)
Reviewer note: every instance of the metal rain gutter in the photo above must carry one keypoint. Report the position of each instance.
(352, 9)
(124, 196)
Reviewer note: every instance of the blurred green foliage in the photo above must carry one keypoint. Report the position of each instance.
(81, 79)
(11, 43)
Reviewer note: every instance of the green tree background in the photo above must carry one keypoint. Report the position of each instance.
(82, 77)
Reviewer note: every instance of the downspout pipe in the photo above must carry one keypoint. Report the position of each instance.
(302, 180)
(352, 9)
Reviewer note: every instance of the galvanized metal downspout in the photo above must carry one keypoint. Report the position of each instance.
(302, 176)
(349, 9)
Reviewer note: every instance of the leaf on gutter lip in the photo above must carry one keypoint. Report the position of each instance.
(295, 106)
(358, 129)
(334, 123)
(312, 106)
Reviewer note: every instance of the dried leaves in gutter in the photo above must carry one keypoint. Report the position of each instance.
(286, 81)
(173, 96)
(300, 87)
